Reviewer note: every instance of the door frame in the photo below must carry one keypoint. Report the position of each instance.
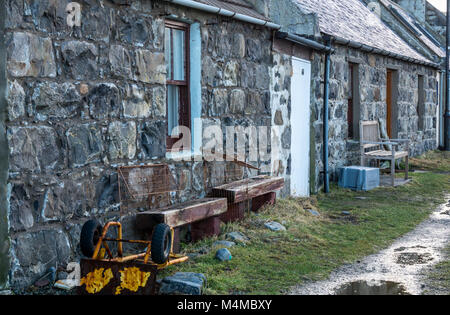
(298, 129)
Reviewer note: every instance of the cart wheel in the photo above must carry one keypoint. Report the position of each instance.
(90, 234)
(161, 244)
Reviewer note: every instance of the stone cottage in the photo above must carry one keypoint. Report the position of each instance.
(375, 74)
(91, 85)
(88, 86)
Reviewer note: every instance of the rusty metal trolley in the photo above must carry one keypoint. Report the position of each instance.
(106, 273)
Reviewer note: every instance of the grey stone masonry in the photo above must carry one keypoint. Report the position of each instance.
(82, 101)
(372, 70)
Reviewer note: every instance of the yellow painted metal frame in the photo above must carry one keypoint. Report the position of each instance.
(99, 252)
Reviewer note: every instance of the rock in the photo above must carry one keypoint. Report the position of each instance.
(150, 67)
(237, 101)
(278, 118)
(226, 244)
(85, 144)
(224, 254)
(254, 49)
(32, 253)
(55, 100)
(15, 97)
(159, 101)
(238, 48)
(64, 201)
(237, 237)
(30, 56)
(134, 30)
(219, 102)
(275, 226)
(122, 140)
(22, 213)
(183, 283)
(97, 22)
(79, 60)
(120, 61)
(33, 149)
(104, 101)
(153, 139)
(137, 104)
(313, 212)
(230, 74)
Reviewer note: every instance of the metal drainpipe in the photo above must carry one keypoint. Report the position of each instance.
(326, 93)
(447, 83)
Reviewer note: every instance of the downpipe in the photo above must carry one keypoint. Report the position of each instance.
(447, 87)
(326, 173)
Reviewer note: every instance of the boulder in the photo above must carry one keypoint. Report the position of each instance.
(224, 254)
(183, 283)
(275, 226)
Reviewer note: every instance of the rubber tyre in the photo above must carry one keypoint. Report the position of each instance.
(161, 244)
(90, 234)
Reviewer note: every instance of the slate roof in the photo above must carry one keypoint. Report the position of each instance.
(352, 20)
(237, 6)
(411, 23)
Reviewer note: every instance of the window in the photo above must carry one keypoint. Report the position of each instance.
(353, 112)
(177, 65)
(421, 103)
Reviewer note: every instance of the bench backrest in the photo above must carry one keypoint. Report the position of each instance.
(369, 131)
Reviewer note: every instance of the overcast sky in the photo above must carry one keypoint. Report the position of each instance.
(440, 4)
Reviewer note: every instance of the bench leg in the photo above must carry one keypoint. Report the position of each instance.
(261, 201)
(406, 167)
(393, 172)
(206, 228)
(235, 212)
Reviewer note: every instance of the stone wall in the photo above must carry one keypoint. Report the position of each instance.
(372, 86)
(83, 101)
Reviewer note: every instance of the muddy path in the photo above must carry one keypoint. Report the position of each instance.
(396, 270)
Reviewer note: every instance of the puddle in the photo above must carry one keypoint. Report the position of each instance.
(372, 288)
(414, 258)
(398, 269)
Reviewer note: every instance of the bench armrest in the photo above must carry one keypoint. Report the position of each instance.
(397, 140)
(380, 143)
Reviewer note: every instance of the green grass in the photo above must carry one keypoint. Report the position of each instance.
(438, 279)
(312, 247)
(437, 161)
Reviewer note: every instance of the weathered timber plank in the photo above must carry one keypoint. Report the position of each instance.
(182, 214)
(249, 188)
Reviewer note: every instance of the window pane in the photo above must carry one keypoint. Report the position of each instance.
(168, 52)
(173, 105)
(178, 54)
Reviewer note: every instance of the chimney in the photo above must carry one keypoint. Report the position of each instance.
(414, 7)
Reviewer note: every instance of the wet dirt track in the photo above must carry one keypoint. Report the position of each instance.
(396, 270)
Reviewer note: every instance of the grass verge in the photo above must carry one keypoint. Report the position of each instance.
(438, 279)
(312, 246)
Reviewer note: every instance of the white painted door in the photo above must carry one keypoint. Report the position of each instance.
(300, 124)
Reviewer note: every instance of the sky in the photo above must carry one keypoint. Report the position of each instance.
(440, 4)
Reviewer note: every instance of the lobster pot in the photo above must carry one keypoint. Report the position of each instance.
(359, 178)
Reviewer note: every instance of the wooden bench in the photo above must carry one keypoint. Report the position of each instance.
(373, 147)
(203, 215)
(261, 190)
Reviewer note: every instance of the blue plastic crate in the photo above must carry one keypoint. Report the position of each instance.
(359, 178)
